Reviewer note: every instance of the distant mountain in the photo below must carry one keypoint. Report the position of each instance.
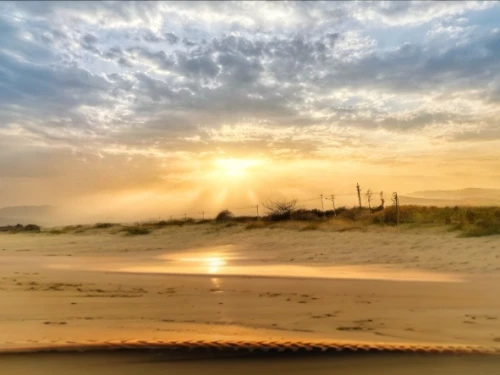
(41, 215)
(463, 197)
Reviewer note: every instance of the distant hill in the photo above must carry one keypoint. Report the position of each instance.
(41, 215)
(463, 197)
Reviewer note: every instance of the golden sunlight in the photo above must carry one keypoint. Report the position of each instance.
(214, 264)
(235, 167)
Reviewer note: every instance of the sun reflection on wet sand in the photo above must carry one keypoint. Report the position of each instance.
(221, 262)
(210, 263)
(340, 272)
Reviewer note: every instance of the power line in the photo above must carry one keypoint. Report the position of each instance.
(256, 206)
(309, 200)
(241, 208)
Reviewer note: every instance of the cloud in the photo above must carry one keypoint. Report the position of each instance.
(89, 42)
(407, 13)
(156, 80)
(171, 38)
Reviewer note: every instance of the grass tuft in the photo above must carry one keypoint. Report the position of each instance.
(136, 230)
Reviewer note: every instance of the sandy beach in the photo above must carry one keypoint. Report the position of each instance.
(195, 282)
(212, 282)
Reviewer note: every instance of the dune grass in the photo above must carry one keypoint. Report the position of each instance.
(136, 230)
(466, 221)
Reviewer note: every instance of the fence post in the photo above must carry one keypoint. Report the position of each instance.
(359, 194)
(369, 198)
(322, 206)
(396, 202)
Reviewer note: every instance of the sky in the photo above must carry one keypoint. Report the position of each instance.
(135, 109)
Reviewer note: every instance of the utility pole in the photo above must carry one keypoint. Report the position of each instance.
(359, 195)
(185, 217)
(395, 199)
(322, 206)
(257, 207)
(382, 200)
(333, 203)
(202, 215)
(170, 217)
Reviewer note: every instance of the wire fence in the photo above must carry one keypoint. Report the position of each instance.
(256, 210)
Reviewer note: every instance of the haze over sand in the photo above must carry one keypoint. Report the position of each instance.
(158, 207)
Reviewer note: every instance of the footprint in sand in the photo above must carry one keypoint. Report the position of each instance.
(487, 317)
(268, 294)
(325, 315)
(353, 328)
(363, 321)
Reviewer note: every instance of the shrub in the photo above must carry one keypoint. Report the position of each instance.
(136, 231)
(224, 215)
(69, 228)
(354, 213)
(179, 223)
(32, 228)
(470, 216)
(104, 225)
(12, 228)
(245, 219)
(307, 215)
(479, 231)
(280, 209)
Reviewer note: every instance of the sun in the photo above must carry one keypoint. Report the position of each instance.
(214, 264)
(235, 167)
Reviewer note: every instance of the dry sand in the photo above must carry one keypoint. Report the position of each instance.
(411, 287)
